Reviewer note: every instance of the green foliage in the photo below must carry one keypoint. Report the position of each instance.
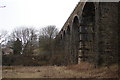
(25, 60)
(17, 46)
(46, 44)
(46, 39)
(57, 59)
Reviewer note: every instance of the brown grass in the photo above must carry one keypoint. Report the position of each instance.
(8, 68)
(82, 70)
(88, 70)
(83, 66)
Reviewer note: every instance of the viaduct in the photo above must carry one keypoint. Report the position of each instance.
(90, 34)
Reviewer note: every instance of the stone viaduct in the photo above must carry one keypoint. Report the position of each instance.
(90, 34)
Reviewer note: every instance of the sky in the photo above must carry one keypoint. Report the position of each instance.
(35, 13)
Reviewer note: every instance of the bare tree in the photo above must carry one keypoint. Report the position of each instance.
(46, 38)
(28, 36)
(3, 35)
(49, 31)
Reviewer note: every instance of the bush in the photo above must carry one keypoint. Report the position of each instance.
(25, 60)
(57, 59)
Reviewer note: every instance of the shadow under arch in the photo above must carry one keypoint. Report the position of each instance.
(68, 30)
(87, 29)
(75, 40)
(64, 34)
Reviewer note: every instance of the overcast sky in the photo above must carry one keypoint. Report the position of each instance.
(36, 13)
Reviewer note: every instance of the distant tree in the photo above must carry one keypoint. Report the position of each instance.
(0, 56)
(17, 46)
(28, 36)
(3, 36)
(49, 31)
(46, 38)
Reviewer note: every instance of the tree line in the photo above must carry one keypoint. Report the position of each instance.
(28, 40)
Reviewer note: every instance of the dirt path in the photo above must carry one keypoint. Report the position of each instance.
(74, 71)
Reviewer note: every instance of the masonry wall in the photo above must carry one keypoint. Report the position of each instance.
(103, 49)
(108, 32)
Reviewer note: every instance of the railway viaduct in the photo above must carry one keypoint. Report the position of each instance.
(90, 34)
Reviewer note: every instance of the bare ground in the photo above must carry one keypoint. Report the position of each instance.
(83, 70)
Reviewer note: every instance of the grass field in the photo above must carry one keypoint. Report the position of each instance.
(83, 70)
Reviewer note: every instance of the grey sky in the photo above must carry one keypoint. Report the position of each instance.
(36, 13)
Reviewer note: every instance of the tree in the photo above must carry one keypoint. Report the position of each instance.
(49, 32)
(3, 35)
(0, 56)
(28, 37)
(46, 38)
(17, 46)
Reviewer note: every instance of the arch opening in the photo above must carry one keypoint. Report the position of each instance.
(61, 37)
(64, 35)
(87, 24)
(68, 30)
(75, 40)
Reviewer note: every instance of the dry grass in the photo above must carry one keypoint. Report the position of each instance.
(8, 68)
(88, 70)
(82, 70)
(83, 66)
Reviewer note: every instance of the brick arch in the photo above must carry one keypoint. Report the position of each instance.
(105, 18)
(75, 22)
(84, 4)
(68, 30)
(88, 6)
(75, 39)
(87, 27)
(61, 36)
(64, 33)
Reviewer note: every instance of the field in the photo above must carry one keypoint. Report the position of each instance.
(83, 70)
